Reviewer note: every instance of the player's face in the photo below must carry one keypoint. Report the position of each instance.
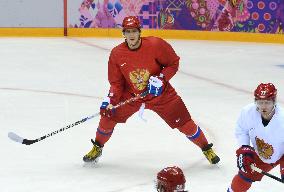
(132, 37)
(265, 107)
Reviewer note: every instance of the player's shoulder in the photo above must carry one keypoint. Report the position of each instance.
(279, 108)
(279, 118)
(118, 48)
(248, 109)
(154, 40)
(280, 112)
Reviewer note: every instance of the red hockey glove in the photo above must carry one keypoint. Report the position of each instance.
(245, 157)
(106, 108)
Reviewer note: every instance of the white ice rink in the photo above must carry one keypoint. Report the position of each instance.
(48, 83)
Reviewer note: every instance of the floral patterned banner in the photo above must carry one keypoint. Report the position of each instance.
(261, 16)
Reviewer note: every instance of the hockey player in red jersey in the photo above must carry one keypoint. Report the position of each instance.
(171, 179)
(144, 64)
(261, 124)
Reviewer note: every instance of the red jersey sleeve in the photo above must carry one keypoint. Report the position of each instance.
(116, 80)
(168, 58)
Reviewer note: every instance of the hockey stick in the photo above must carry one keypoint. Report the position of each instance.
(266, 174)
(13, 136)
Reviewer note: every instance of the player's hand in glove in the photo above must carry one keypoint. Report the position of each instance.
(155, 85)
(245, 157)
(106, 108)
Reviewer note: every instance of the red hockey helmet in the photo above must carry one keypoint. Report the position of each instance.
(170, 179)
(265, 91)
(131, 22)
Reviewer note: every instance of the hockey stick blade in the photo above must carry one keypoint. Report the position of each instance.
(19, 139)
(15, 137)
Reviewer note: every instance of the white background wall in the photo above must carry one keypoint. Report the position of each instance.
(31, 13)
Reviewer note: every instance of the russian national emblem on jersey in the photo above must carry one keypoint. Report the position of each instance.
(264, 149)
(139, 78)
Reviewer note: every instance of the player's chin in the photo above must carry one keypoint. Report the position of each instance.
(132, 43)
(265, 113)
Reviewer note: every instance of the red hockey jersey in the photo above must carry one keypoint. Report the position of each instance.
(129, 70)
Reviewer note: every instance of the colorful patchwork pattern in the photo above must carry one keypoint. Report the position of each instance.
(261, 16)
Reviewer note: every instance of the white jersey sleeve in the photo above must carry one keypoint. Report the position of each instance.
(268, 141)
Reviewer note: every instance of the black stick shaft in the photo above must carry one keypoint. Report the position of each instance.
(266, 174)
(17, 138)
(29, 142)
(272, 176)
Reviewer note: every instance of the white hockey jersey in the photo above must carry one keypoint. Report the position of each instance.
(268, 141)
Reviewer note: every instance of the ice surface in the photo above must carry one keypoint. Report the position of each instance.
(48, 83)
